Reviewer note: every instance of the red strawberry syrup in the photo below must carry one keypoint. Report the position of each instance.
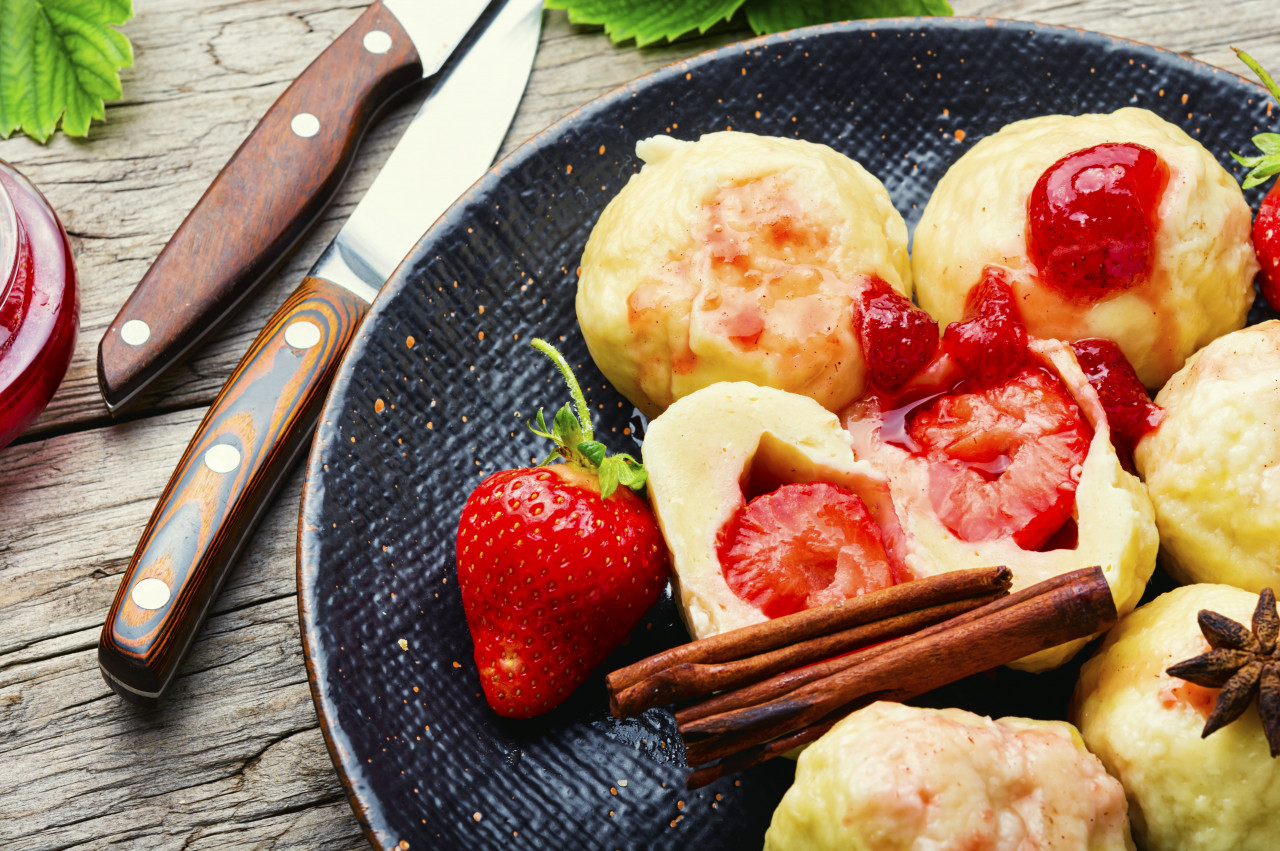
(1091, 220)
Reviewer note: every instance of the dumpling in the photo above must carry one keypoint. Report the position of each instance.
(1138, 235)
(1212, 467)
(737, 258)
(1186, 793)
(897, 778)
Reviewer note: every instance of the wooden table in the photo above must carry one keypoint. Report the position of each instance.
(235, 758)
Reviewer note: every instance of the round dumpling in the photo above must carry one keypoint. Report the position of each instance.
(737, 257)
(1186, 793)
(1195, 283)
(1111, 514)
(1212, 467)
(896, 778)
(707, 448)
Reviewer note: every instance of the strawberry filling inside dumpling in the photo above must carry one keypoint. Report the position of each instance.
(803, 545)
(999, 451)
(1005, 458)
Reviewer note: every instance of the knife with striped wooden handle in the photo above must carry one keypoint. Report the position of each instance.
(265, 415)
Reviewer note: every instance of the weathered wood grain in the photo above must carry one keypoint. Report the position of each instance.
(234, 758)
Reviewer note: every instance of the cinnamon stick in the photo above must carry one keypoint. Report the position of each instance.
(687, 680)
(781, 684)
(811, 623)
(1045, 615)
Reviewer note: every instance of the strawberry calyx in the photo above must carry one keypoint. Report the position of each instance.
(575, 440)
(1266, 165)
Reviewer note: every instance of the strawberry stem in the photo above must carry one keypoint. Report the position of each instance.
(575, 390)
(575, 439)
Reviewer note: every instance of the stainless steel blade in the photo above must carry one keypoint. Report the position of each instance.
(436, 26)
(447, 147)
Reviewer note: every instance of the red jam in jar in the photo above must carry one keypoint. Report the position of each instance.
(39, 305)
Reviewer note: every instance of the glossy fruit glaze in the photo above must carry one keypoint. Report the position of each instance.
(1002, 435)
(1130, 411)
(1091, 220)
(800, 546)
(897, 337)
(39, 304)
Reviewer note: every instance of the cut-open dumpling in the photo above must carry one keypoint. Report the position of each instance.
(714, 450)
(1018, 472)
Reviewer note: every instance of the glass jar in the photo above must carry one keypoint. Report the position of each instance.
(39, 305)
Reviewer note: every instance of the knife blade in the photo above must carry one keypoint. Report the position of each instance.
(265, 415)
(277, 184)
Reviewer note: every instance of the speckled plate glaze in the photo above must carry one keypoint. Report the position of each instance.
(434, 393)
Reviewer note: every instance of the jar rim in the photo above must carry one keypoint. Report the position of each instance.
(8, 243)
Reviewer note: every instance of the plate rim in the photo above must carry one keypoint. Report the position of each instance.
(347, 766)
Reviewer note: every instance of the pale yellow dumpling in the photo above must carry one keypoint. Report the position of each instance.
(1186, 793)
(737, 257)
(897, 778)
(1213, 466)
(702, 450)
(1201, 281)
(1113, 515)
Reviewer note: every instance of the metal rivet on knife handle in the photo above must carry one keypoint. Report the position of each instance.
(150, 593)
(302, 334)
(222, 458)
(135, 332)
(377, 41)
(305, 124)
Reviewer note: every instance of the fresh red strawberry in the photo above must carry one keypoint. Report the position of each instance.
(991, 343)
(1130, 411)
(1266, 227)
(1006, 458)
(897, 337)
(803, 545)
(1266, 244)
(556, 564)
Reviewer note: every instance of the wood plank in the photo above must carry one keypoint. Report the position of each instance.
(234, 758)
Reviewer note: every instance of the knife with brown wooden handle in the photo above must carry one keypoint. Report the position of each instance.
(274, 187)
(265, 415)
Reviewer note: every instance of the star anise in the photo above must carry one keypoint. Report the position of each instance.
(1242, 663)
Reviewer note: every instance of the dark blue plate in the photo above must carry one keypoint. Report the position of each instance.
(445, 349)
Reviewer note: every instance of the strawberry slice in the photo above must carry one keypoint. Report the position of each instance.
(1091, 220)
(1006, 458)
(1130, 412)
(556, 564)
(897, 337)
(801, 546)
(991, 343)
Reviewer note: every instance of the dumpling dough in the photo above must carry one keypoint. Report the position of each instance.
(737, 257)
(1112, 512)
(1201, 283)
(1220, 793)
(896, 778)
(1213, 466)
(700, 455)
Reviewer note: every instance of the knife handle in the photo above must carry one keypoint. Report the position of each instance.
(245, 446)
(270, 192)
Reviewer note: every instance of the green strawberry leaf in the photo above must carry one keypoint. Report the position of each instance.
(1262, 168)
(648, 21)
(575, 438)
(767, 16)
(59, 59)
(594, 451)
